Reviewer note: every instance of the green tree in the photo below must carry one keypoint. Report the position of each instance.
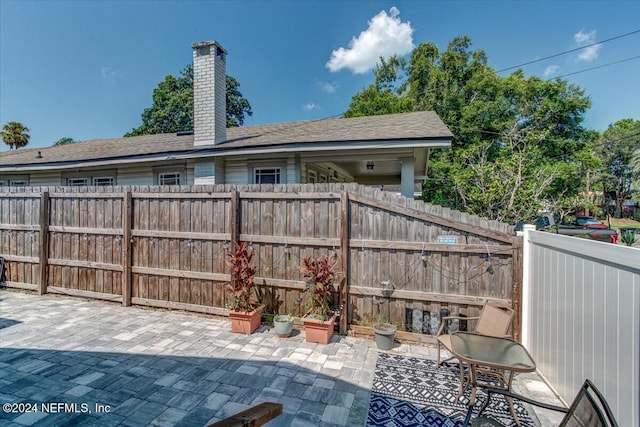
(635, 166)
(616, 147)
(519, 144)
(386, 95)
(15, 135)
(172, 108)
(512, 186)
(64, 141)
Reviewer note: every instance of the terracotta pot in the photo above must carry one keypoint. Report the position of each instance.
(317, 330)
(245, 323)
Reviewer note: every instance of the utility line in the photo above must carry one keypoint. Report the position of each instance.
(303, 123)
(568, 51)
(518, 66)
(595, 68)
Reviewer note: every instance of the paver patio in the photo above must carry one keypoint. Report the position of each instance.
(99, 363)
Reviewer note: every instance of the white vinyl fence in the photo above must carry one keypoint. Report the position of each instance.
(581, 317)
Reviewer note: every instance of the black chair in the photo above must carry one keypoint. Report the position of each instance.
(588, 409)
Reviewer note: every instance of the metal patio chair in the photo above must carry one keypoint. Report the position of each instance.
(493, 320)
(588, 409)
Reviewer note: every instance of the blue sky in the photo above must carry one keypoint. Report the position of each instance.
(87, 69)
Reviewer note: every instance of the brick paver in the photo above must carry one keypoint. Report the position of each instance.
(167, 368)
(94, 363)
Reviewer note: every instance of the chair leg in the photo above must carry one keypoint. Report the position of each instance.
(438, 358)
(463, 382)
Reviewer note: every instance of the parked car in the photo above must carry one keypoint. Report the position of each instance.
(589, 222)
(588, 229)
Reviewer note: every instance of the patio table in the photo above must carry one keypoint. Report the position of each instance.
(491, 355)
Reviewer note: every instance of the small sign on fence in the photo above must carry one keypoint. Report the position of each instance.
(448, 240)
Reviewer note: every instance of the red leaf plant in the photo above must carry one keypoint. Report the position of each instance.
(242, 272)
(320, 273)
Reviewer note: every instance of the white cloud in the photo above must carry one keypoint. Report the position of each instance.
(328, 87)
(583, 38)
(550, 70)
(387, 35)
(110, 76)
(310, 106)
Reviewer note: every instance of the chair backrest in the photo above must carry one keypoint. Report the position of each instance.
(494, 321)
(589, 409)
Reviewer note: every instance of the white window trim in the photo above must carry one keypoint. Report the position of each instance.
(170, 175)
(277, 173)
(252, 166)
(89, 176)
(79, 181)
(14, 181)
(96, 178)
(312, 177)
(179, 169)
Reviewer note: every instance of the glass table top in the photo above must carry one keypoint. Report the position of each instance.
(493, 352)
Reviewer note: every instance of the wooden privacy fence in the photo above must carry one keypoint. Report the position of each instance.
(165, 247)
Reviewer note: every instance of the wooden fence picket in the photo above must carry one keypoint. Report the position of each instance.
(165, 247)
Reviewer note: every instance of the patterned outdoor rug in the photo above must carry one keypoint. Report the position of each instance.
(409, 391)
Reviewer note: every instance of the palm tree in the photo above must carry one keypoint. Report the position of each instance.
(15, 135)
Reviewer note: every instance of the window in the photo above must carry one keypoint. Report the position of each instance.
(266, 175)
(323, 178)
(312, 177)
(14, 181)
(77, 182)
(170, 175)
(90, 177)
(169, 178)
(103, 180)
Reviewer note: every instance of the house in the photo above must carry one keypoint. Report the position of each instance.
(376, 150)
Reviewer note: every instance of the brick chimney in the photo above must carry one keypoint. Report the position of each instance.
(209, 93)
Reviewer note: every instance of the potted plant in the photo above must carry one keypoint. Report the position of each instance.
(385, 332)
(283, 324)
(628, 236)
(245, 315)
(320, 274)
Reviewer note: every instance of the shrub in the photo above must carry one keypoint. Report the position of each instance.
(320, 274)
(242, 272)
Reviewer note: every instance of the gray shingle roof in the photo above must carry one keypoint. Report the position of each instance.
(422, 125)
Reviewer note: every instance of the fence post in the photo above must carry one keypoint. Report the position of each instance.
(127, 243)
(516, 287)
(344, 256)
(235, 217)
(44, 242)
(526, 283)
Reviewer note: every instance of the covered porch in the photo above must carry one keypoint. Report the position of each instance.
(405, 170)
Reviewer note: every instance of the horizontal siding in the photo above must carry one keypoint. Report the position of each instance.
(135, 176)
(235, 172)
(37, 179)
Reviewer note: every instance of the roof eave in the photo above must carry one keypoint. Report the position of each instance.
(426, 142)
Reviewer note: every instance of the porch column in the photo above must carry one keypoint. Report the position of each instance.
(407, 176)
